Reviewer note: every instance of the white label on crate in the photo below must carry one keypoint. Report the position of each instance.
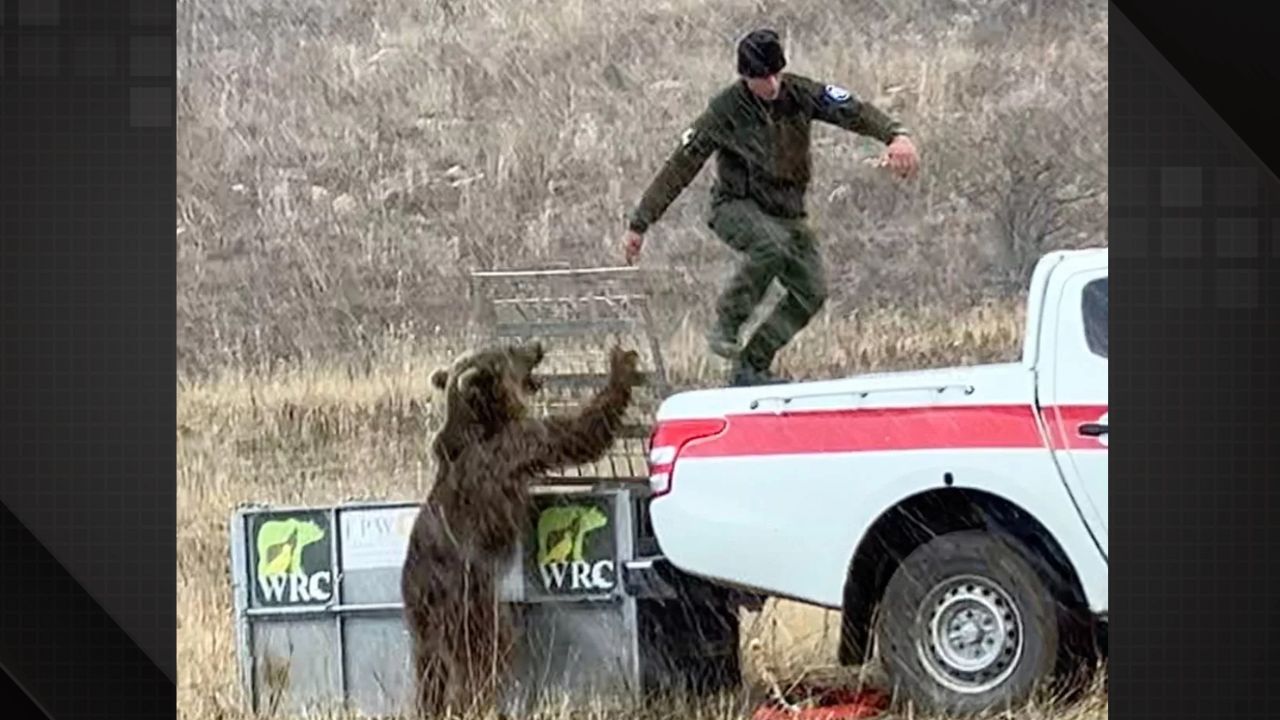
(376, 538)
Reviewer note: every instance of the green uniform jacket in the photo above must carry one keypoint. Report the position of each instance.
(762, 149)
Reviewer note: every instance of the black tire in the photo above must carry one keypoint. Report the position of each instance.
(959, 579)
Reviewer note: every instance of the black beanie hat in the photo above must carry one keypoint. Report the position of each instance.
(760, 54)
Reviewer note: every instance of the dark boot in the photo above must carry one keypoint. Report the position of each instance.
(745, 375)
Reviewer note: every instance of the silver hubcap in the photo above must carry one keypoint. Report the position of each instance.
(974, 634)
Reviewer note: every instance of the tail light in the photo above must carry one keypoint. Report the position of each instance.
(665, 444)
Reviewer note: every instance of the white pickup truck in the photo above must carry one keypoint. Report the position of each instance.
(957, 517)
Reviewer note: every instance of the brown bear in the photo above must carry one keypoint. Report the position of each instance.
(487, 453)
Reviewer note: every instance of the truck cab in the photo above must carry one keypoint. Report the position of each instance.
(956, 517)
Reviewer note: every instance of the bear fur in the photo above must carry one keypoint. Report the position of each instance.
(487, 453)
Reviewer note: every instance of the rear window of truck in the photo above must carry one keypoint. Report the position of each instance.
(1094, 306)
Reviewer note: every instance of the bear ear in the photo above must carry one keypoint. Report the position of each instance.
(468, 378)
(440, 378)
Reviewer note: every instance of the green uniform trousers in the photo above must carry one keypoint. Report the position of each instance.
(773, 247)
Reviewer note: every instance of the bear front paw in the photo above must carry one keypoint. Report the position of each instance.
(625, 367)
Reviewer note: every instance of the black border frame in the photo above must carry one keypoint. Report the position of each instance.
(87, 392)
(1194, 202)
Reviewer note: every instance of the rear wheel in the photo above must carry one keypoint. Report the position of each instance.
(968, 625)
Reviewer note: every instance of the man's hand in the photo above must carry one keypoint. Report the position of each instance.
(901, 157)
(632, 242)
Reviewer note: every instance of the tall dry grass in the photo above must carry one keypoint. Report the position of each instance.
(341, 165)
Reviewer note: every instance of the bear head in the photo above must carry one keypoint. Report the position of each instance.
(491, 387)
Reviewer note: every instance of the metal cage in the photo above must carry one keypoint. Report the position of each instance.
(582, 312)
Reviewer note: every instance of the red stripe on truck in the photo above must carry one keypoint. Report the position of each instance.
(1064, 423)
(996, 427)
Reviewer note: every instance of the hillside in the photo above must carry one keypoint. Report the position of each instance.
(342, 165)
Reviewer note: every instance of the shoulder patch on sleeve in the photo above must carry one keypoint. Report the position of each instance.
(835, 93)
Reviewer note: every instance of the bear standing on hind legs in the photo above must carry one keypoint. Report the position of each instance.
(487, 454)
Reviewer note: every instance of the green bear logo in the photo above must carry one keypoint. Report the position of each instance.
(563, 530)
(280, 545)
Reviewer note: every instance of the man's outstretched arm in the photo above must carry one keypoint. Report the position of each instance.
(837, 106)
(682, 166)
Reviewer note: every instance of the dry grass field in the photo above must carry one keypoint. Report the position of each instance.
(341, 166)
(326, 434)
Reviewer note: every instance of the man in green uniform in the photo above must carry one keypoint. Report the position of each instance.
(758, 127)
